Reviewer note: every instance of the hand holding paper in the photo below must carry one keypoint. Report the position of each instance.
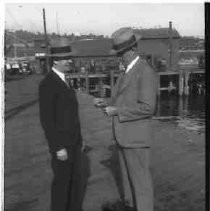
(99, 102)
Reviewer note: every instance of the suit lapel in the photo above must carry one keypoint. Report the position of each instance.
(117, 85)
(127, 77)
(59, 80)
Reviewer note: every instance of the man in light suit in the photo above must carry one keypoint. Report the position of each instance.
(60, 121)
(132, 106)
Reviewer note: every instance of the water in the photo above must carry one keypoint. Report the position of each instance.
(189, 111)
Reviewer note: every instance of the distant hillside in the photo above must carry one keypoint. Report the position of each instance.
(22, 35)
(30, 36)
(191, 43)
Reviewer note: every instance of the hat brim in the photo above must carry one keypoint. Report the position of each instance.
(113, 52)
(61, 55)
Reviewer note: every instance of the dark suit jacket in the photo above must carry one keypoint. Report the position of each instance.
(135, 95)
(59, 113)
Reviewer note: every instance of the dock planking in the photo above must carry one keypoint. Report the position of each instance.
(177, 164)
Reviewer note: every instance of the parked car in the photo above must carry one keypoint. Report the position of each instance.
(15, 67)
(7, 70)
(25, 68)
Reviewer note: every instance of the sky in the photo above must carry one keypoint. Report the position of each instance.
(105, 18)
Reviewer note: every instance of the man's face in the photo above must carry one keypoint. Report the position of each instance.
(64, 65)
(124, 58)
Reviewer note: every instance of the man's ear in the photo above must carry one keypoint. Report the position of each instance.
(133, 48)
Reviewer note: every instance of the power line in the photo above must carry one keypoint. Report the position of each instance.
(31, 22)
(16, 38)
(11, 15)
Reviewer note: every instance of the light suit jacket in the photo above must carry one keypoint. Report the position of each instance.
(135, 96)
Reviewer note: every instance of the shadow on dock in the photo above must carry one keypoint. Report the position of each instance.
(85, 174)
(113, 163)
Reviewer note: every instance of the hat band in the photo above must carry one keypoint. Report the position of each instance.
(125, 44)
(65, 49)
(58, 58)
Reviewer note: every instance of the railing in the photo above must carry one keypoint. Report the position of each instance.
(180, 86)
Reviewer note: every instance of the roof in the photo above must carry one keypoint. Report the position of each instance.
(94, 47)
(101, 47)
(160, 33)
(21, 45)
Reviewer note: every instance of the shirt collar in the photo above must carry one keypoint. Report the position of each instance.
(61, 75)
(130, 66)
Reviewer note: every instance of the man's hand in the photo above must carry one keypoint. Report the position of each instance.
(99, 102)
(111, 110)
(62, 154)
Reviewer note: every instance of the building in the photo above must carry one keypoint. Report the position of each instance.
(92, 55)
(159, 46)
(19, 50)
(40, 54)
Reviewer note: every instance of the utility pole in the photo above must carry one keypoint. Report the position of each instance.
(170, 46)
(15, 47)
(46, 42)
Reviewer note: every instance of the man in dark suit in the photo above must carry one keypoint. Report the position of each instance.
(60, 121)
(131, 107)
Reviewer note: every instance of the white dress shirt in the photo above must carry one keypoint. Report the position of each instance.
(60, 74)
(130, 66)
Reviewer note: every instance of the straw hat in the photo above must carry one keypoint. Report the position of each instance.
(60, 49)
(123, 39)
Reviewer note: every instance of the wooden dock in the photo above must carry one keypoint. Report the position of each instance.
(178, 81)
(177, 159)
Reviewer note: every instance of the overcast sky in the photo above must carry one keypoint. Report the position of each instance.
(85, 18)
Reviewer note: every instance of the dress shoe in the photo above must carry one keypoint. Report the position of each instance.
(128, 208)
(108, 208)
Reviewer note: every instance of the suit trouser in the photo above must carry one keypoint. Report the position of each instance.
(137, 181)
(65, 188)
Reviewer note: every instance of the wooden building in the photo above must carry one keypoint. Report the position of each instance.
(40, 55)
(92, 55)
(159, 46)
(19, 50)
